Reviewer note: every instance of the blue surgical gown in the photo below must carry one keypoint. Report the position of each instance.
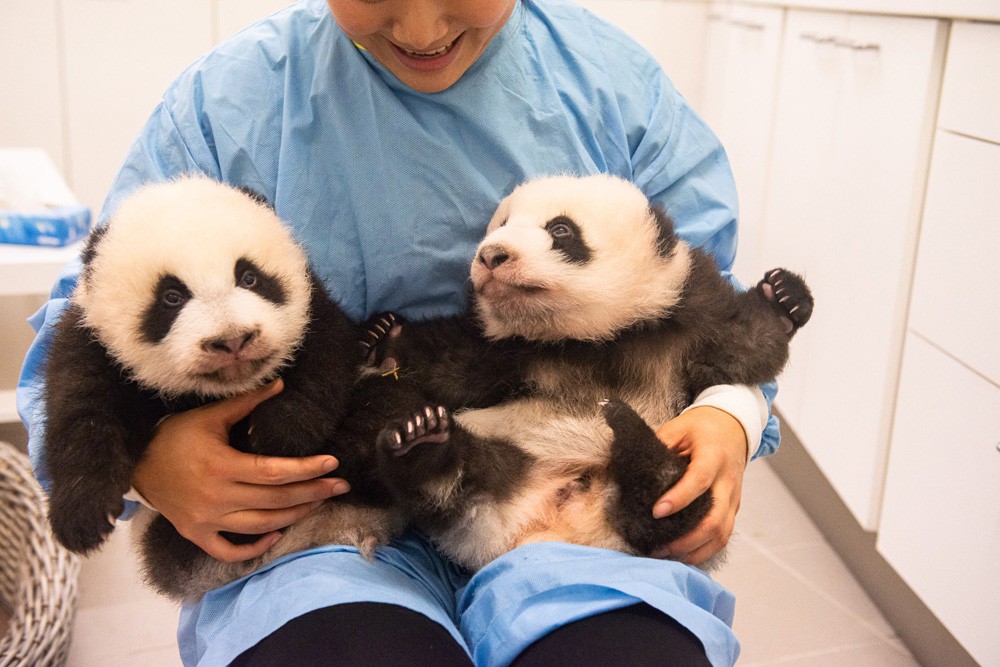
(389, 190)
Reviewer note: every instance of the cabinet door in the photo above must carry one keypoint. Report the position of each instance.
(956, 289)
(852, 137)
(970, 100)
(120, 57)
(740, 84)
(799, 216)
(940, 525)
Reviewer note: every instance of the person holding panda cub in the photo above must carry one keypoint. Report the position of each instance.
(385, 132)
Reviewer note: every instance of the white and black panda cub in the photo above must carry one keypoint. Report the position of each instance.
(192, 292)
(581, 292)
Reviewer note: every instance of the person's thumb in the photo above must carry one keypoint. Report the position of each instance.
(233, 409)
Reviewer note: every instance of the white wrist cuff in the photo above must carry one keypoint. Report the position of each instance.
(136, 496)
(746, 404)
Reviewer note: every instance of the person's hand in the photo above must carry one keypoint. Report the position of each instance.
(191, 475)
(717, 445)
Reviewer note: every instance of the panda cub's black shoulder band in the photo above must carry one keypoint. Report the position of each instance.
(666, 238)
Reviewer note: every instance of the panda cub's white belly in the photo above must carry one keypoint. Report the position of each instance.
(566, 491)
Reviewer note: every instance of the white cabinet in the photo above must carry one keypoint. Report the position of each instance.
(852, 132)
(956, 291)
(940, 526)
(744, 45)
(970, 101)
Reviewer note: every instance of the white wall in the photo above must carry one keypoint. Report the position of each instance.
(82, 76)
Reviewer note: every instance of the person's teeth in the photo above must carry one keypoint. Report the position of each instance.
(428, 54)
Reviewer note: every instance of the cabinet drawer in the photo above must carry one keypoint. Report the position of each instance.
(940, 524)
(956, 291)
(970, 99)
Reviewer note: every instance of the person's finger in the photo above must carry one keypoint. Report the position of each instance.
(696, 480)
(288, 495)
(277, 470)
(712, 532)
(252, 522)
(218, 547)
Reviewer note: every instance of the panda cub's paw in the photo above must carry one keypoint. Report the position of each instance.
(429, 424)
(790, 295)
(378, 341)
(82, 526)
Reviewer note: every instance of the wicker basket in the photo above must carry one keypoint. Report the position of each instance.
(38, 577)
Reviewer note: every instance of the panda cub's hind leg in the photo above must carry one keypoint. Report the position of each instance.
(643, 469)
(429, 424)
(440, 470)
(419, 459)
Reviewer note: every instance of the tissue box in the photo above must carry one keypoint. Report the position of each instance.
(54, 227)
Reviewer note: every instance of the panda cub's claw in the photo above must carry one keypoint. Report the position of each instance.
(790, 296)
(428, 424)
(377, 342)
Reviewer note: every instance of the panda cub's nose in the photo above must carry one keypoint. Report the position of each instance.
(493, 256)
(230, 345)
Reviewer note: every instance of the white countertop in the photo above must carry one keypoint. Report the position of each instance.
(32, 269)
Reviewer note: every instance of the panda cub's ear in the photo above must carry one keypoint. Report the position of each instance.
(666, 238)
(255, 195)
(90, 249)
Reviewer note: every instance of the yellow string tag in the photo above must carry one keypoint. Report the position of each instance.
(394, 373)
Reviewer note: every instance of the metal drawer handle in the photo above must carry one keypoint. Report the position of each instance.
(818, 39)
(855, 45)
(747, 25)
(840, 42)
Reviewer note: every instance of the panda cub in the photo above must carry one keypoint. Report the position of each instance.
(581, 293)
(195, 291)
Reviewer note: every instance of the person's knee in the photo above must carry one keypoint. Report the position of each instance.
(358, 633)
(637, 636)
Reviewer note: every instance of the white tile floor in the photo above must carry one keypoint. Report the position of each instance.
(796, 603)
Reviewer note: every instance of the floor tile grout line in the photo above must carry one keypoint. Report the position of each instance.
(777, 560)
(789, 659)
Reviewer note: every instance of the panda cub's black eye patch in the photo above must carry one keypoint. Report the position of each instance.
(169, 298)
(567, 239)
(251, 277)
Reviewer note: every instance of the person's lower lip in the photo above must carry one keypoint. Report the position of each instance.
(429, 64)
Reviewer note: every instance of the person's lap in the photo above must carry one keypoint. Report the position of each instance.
(534, 592)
